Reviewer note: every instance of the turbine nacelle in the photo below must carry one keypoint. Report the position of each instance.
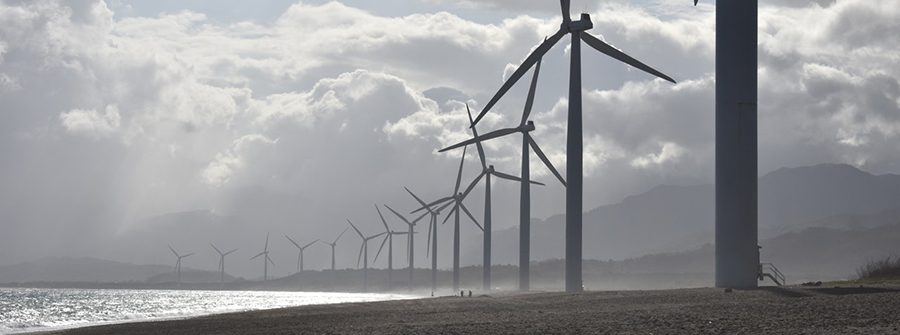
(527, 127)
(580, 25)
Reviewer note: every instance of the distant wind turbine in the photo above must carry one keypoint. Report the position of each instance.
(389, 238)
(574, 136)
(300, 258)
(457, 201)
(364, 248)
(431, 238)
(222, 262)
(525, 127)
(333, 244)
(410, 251)
(178, 264)
(266, 259)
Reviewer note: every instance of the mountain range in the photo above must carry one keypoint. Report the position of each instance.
(818, 222)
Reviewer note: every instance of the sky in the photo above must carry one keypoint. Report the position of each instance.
(310, 112)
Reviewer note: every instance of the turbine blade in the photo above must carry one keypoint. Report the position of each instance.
(417, 198)
(472, 184)
(292, 241)
(357, 230)
(466, 210)
(267, 242)
(444, 206)
(381, 247)
(529, 102)
(226, 254)
(173, 250)
(485, 137)
(434, 203)
(382, 219)
(185, 256)
(546, 161)
(621, 56)
(257, 255)
(564, 5)
(419, 218)
(475, 135)
(449, 214)
(270, 260)
(398, 215)
(360, 254)
(217, 249)
(459, 175)
(526, 65)
(309, 244)
(374, 236)
(428, 247)
(339, 236)
(499, 174)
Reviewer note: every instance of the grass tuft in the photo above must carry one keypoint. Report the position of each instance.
(887, 268)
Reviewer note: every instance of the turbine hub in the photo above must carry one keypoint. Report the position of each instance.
(580, 25)
(528, 126)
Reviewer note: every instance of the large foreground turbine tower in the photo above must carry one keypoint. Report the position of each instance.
(737, 255)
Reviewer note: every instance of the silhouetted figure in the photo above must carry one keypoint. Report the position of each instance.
(470, 293)
(462, 293)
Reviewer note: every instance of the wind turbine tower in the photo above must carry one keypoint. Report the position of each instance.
(266, 259)
(574, 135)
(300, 258)
(178, 265)
(389, 238)
(334, 244)
(457, 201)
(432, 234)
(409, 247)
(737, 231)
(525, 127)
(222, 263)
(364, 250)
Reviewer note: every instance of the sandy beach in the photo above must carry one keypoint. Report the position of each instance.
(872, 309)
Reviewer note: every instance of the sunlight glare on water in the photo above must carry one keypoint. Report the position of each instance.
(28, 309)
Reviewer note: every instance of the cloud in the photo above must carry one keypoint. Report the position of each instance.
(341, 107)
(669, 152)
(90, 123)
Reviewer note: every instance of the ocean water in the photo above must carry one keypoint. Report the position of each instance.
(30, 309)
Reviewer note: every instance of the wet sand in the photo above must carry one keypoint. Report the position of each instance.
(796, 310)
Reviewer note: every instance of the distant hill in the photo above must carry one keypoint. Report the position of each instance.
(92, 270)
(79, 269)
(811, 254)
(676, 218)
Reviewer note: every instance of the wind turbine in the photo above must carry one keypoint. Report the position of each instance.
(178, 264)
(333, 244)
(390, 239)
(300, 258)
(457, 201)
(266, 259)
(574, 137)
(432, 242)
(525, 204)
(222, 262)
(364, 248)
(737, 226)
(409, 247)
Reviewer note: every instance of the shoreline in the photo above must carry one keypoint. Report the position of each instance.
(788, 310)
(180, 311)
